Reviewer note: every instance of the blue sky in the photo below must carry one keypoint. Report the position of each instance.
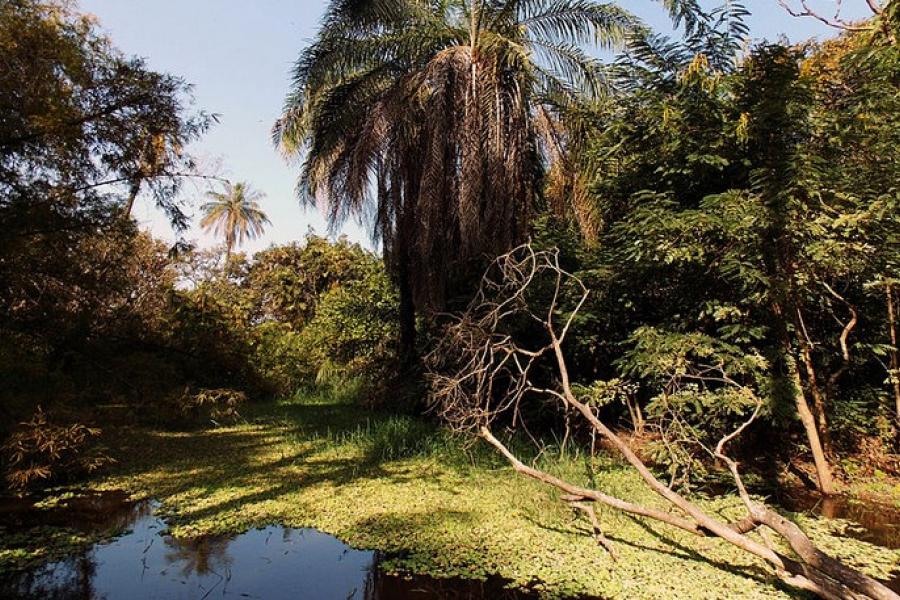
(238, 55)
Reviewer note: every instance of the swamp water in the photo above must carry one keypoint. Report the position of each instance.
(271, 563)
(868, 521)
(145, 563)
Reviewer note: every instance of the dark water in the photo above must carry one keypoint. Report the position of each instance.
(871, 522)
(271, 563)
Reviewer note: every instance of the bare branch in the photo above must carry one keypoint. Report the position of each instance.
(478, 373)
(836, 21)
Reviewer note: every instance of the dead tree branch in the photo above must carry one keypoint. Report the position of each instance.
(836, 20)
(478, 373)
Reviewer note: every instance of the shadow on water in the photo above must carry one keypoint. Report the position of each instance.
(870, 521)
(98, 513)
(276, 562)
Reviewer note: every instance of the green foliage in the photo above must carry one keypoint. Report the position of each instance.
(73, 302)
(703, 389)
(746, 216)
(86, 297)
(83, 123)
(281, 355)
(602, 393)
(355, 327)
(290, 316)
(288, 281)
(668, 355)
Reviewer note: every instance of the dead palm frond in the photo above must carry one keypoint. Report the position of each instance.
(420, 115)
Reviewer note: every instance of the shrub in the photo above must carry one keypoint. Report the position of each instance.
(353, 333)
(40, 452)
(281, 356)
(217, 405)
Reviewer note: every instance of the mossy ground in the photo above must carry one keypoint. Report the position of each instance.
(404, 487)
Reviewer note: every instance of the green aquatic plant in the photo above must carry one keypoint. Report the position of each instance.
(432, 504)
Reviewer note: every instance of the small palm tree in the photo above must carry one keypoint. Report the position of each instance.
(235, 215)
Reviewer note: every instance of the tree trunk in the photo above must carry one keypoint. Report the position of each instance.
(807, 417)
(823, 469)
(132, 196)
(405, 204)
(819, 410)
(229, 243)
(895, 363)
(637, 417)
(789, 368)
(408, 355)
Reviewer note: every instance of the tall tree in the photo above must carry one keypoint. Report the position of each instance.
(85, 122)
(234, 214)
(762, 200)
(75, 116)
(428, 117)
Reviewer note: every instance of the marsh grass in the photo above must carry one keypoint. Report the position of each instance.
(435, 503)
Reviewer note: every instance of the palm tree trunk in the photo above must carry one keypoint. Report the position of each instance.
(407, 309)
(229, 243)
(405, 202)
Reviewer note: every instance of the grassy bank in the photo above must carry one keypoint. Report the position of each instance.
(398, 485)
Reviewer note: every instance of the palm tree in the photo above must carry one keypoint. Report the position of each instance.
(434, 118)
(235, 215)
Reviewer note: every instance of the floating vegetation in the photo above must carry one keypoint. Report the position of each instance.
(428, 504)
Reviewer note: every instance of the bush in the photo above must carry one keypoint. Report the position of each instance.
(40, 452)
(354, 331)
(281, 357)
(216, 405)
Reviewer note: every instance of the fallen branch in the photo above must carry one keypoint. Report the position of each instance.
(595, 524)
(469, 398)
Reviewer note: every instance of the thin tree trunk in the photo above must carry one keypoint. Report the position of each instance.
(807, 419)
(818, 400)
(229, 243)
(823, 468)
(843, 341)
(812, 381)
(895, 362)
(637, 417)
(132, 196)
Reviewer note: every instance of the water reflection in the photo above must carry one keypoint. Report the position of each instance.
(271, 563)
(275, 562)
